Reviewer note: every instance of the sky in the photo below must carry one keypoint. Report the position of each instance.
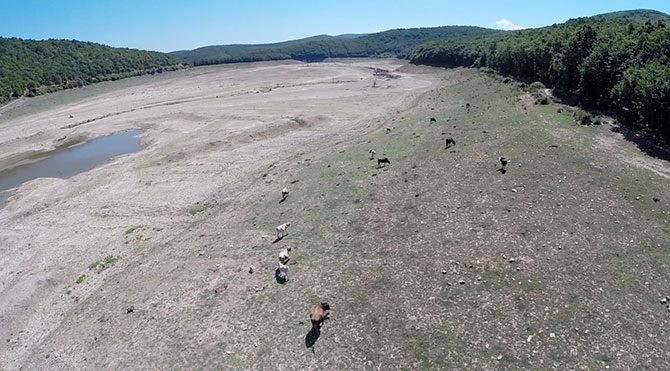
(170, 25)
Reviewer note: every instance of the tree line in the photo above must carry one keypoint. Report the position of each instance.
(393, 43)
(616, 64)
(29, 67)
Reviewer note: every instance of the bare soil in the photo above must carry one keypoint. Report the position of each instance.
(435, 261)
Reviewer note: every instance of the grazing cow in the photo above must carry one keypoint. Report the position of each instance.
(449, 142)
(372, 154)
(284, 193)
(282, 230)
(383, 160)
(432, 120)
(388, 130)
(319, 313)
(503, 161)
(283, 255)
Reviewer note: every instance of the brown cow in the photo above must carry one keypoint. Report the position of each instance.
(319, 313)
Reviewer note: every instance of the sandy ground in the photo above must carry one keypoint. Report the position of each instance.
(208, 135)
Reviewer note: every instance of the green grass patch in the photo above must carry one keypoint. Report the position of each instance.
(299, 121)
(80, 279)
(133, 229)
(99, 266)
(198, 209)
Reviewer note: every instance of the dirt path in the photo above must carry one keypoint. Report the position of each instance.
(436, 261)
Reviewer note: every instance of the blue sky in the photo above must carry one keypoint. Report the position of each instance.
(170, 25)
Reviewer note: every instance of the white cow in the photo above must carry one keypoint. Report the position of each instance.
(282, 230)
(283, 255)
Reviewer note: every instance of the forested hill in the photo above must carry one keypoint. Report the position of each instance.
(29, 67)
(618, 62)
(392, 43)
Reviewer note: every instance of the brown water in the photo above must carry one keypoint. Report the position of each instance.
(66, 162)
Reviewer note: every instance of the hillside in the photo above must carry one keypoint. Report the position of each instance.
(29, 67)
(392, 43)
(617, 62)
(638, 15)
(437, 261)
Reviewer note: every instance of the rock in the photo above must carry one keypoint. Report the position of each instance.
(251, 269)
(461, 282)
(201, 253)
(552, 335)
(664, 300)
(514, 190)
(637, 197)
(512, 260)
(499, 357)
(444, 271)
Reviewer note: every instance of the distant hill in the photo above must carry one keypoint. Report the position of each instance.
(29, 67)
(638, 15)
(392, 43)
(618, 62)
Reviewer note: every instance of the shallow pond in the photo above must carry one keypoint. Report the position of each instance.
(69, 161)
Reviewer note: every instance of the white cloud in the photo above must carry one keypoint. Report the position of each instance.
(506, 24)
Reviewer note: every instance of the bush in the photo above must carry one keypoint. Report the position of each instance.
(487, 70)
(583, 117)
(536, 86)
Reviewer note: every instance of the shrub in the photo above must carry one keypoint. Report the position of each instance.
(488, 70)
(536, 86)
(583, 117)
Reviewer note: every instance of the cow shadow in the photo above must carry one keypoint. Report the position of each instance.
(311, 337)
